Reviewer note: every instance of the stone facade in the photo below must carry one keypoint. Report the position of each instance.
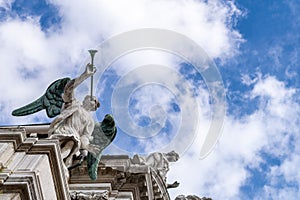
(117, 177)
(31, 167)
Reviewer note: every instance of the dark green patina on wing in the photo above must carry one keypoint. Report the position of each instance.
(104, 133)
(52, 101)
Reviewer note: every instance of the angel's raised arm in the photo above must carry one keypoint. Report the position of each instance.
(68, 95)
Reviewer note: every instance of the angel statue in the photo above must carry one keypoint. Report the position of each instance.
(159, 162)
(78, 134)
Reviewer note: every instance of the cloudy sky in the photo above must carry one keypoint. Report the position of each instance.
(162, 68)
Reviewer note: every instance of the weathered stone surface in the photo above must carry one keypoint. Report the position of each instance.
(89, 196)
(7, 150)
(30, 168)
(10, 196)
(191, 197)
(157, 160)
(35, 171)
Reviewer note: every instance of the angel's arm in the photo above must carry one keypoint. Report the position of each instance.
(68, 95)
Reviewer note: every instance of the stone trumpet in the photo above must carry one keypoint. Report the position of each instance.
(92, 53)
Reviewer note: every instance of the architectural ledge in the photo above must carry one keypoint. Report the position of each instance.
(30, 168)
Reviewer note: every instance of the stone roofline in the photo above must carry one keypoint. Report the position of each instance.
(19, 143)
(23, 159)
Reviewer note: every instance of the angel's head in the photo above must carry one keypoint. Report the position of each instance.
(90, 103)
(172, 156)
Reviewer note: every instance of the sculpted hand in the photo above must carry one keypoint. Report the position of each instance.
(90, 69)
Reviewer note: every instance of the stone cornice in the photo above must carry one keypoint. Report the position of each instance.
(26, 182)
(13, 134)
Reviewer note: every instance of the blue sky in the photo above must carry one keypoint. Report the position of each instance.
(254, 45)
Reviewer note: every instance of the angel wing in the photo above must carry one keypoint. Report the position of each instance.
(51, 101)
(104, 133)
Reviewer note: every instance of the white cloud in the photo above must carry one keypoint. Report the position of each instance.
(25, 47)
(277, 99)
(271, 129)
(209, 24)
(27, 50)
(6, 4)
(278, 193)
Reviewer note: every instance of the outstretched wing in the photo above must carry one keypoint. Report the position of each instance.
(104, 133)
(51, 101)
